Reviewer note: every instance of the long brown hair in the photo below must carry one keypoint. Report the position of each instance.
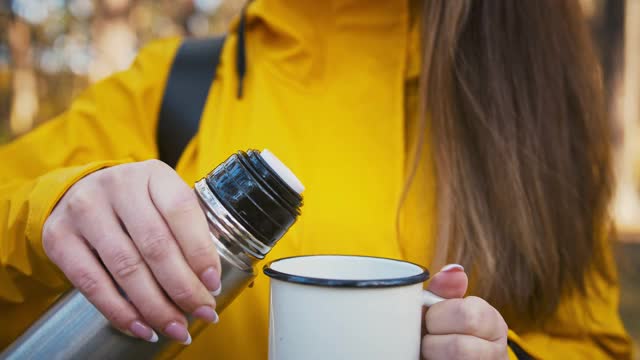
(521, 144)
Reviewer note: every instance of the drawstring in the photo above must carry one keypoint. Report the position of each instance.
(241, 54)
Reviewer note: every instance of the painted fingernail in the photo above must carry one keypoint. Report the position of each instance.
(178, 332)
(211, 279)
(217, 291)
(452, 268)
(206, 313)
(143, 331)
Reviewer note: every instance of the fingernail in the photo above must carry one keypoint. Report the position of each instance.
(143, 331)
(452, 268)
(178, 332)
(206, 313)
(217, 291)
(211, 280)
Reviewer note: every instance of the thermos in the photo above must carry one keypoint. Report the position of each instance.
(250, 201)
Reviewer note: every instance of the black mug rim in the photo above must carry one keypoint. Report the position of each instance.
(346, 283)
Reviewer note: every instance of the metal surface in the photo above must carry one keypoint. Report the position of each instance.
(74, 329)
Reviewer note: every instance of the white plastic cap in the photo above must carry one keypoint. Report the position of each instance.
(282, 170)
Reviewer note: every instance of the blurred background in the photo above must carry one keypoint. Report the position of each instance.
(52, 49)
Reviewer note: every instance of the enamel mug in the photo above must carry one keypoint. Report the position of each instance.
(346, 307)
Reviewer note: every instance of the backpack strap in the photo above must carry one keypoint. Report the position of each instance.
(185, 95)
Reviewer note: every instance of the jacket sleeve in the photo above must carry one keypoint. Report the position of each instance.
(112, 122)
(584, 326)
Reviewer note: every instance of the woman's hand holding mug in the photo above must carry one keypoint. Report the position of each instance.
(461, 328)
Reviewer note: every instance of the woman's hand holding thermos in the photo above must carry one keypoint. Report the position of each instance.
(146, 226)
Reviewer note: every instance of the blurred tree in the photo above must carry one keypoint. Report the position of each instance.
(114, 38)
(627, 204)
(24, 105)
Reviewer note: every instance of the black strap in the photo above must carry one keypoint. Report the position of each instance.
(185, 95)
(518, 351)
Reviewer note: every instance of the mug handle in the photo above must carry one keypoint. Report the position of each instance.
(430, 299)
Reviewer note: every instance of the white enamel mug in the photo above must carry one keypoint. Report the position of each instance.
(346, 307)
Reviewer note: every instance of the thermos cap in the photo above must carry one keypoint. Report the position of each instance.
(260, 192)
(283, 171)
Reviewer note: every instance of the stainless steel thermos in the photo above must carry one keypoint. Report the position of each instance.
(250, 201)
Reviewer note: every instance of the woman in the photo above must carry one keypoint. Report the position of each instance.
(493, 117)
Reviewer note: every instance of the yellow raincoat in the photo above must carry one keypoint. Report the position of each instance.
(331, 88)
